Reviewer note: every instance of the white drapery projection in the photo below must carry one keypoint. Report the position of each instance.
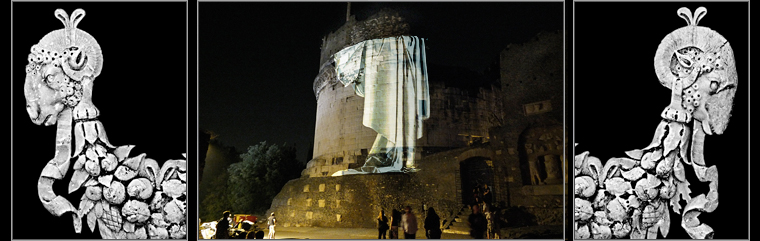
(391, 74)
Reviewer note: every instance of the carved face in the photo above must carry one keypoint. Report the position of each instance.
(44, 98)
(711, 95)
(47, 88)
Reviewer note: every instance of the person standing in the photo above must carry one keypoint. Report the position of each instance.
(487, 195)
(432, 224)
(395, 220)
(223, 226)
(477, 223)
(409, 222)
(491, 221)
(271, 222)
(382, 225)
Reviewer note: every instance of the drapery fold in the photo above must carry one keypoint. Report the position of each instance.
(391, 74)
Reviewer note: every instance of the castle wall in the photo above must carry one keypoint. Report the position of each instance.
(340, 139)
(355, 200)
(516, 128)
(532, 86)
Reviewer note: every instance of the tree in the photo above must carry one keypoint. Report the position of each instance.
(216, 200)
(260, 175)
(213, 189)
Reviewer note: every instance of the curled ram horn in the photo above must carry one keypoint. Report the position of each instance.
(703, 38)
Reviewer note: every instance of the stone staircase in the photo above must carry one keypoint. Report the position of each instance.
(457, 222)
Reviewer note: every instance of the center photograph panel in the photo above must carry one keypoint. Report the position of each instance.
(382, 120)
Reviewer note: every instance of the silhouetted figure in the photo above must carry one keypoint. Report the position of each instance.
(260, 234)
(432, 225)
(478, 223)
(382, 225)
(409, 222)
(487, 195)
(223, 226)
(395, 221)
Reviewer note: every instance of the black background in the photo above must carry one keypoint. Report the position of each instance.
(618, 98)
(141, 94)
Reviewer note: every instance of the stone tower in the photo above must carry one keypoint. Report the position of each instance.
(458, 117)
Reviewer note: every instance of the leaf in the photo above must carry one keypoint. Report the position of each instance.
(122, 152)
(659, 135)
(85, 206)
(134, 162)
(77, 223)
(79, 164)
(635, 154)
(682, 193)
(665, 223)
(79, 177)
(105, 180)
(92, 219)
(91, 182)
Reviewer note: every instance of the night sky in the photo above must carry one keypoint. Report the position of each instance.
(257, 61)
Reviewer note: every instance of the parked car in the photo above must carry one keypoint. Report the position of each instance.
(243, 224)
(240, 224)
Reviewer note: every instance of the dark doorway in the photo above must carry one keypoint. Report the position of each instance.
(476, 173)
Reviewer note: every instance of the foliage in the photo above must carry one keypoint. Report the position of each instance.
(263, 171)
(216, 201)
(212, 189)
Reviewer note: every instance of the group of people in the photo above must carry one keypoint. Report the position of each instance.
(408, 222)
(483, 224)
(482, 194)
(223, 226)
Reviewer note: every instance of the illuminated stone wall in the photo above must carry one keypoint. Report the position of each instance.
(355, 200)
(380, 25)
(509, 125)
(341, 141)
(532, 86)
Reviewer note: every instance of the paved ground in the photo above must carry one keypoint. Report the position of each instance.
(343, 233)
(540, 232)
